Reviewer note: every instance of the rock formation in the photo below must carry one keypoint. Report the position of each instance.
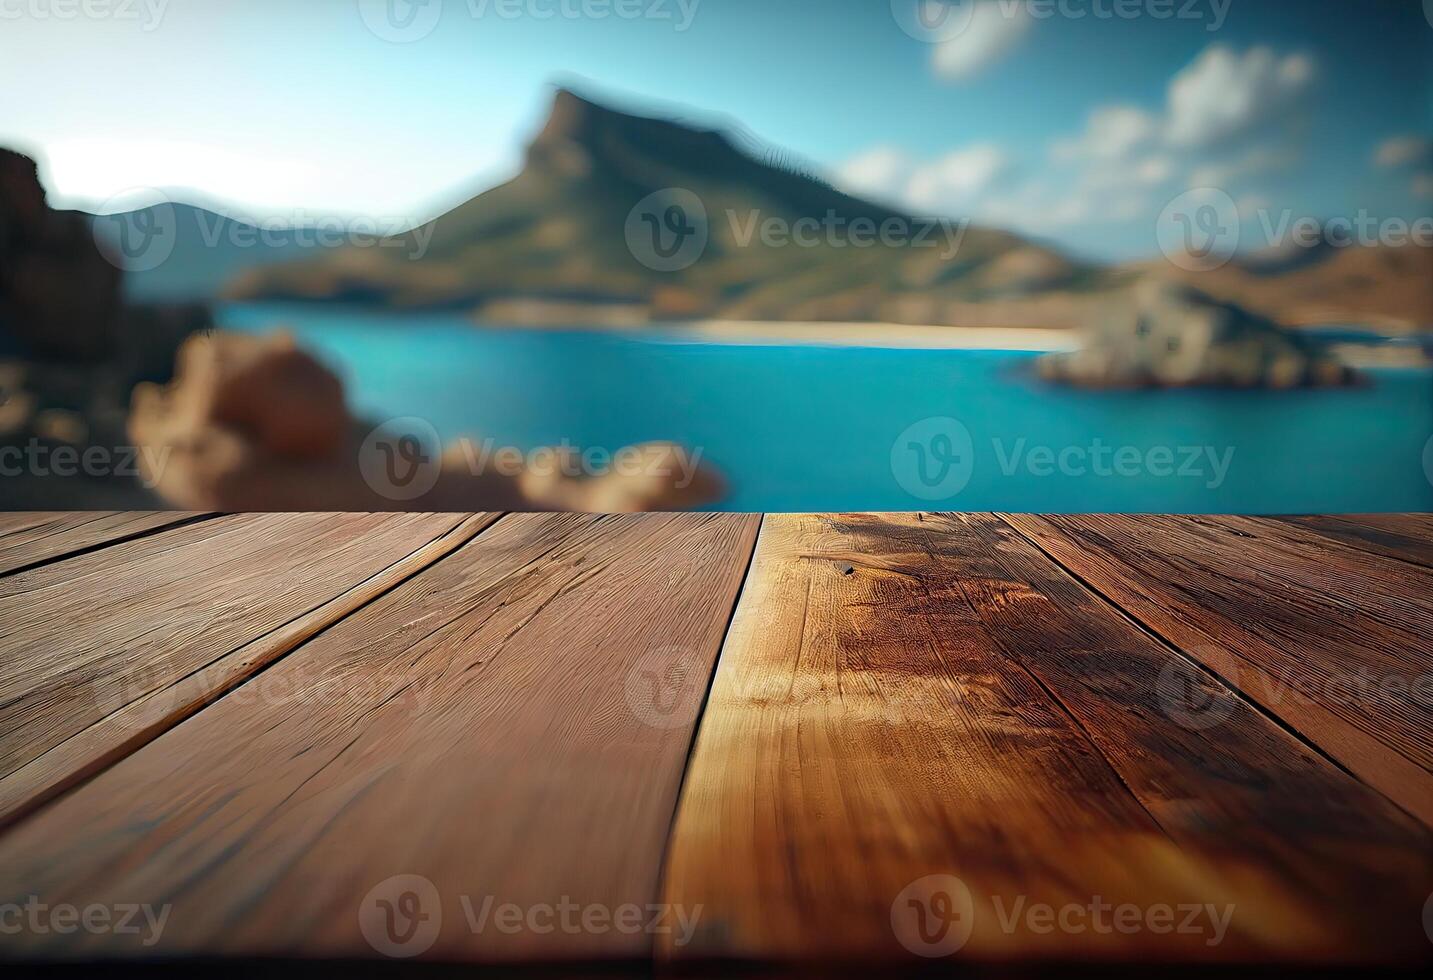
(255, 424)
(1167, 334)
(59, 295)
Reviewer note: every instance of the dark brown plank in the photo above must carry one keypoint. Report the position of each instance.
(1336, 642)
(33, 538)
(901, 697)
(512, 722)
(1408, 537)
(149, 624)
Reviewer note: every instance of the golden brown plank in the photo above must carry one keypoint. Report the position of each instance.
(33, 538)
(510, 723)
(84, 638)
(925, 695)
(136, 723)
(1408, 537)
(1334, 641)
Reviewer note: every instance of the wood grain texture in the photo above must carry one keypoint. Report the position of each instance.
(83, 638)
(1407, 537)
(902, 697)
(510, 723)
(1336, 642)
(33, 538)
(139, 721)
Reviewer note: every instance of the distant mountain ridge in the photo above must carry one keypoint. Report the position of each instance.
(563, 235)
(576, 238)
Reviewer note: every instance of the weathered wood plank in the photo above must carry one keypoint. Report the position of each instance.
(83, 639)
(139, 721)
(34, 538)
(1408, 537)
(1336, 642)
(902, 697)
(510, 723)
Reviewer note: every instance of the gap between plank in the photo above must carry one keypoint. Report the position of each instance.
(662, 865)
(87, 753)
(176, 524)
(1233, 689)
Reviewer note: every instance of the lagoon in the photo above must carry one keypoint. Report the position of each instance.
(802, 427)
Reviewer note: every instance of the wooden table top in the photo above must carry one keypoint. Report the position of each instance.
(702, 743)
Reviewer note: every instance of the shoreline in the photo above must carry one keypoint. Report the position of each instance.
(782, 333)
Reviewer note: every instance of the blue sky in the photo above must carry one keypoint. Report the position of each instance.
(1072, 120)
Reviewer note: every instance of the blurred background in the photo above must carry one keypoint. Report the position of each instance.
(1024, 255)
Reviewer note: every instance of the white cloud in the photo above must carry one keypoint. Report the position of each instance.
(994, 29)
(950, 184)
(957, 176)
(1111, 133)
(1259, 160)
(1224, 95)
(1404, 151)
(882, 171)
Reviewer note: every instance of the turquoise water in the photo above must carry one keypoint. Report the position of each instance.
(798, 428)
